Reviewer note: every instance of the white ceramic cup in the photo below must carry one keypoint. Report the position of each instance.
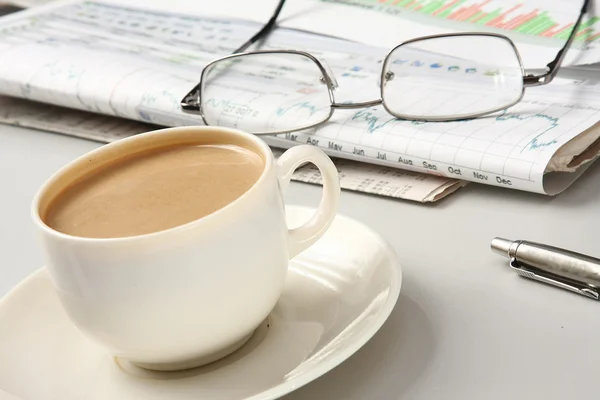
(189, 295)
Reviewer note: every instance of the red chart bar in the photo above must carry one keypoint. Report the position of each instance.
(593, 37)
(457, 16)
(548, 31)
(583, 32)
(484, 3)
(476, 8)
(484, 14)
(506, 24)
(564, 28)
(447, 6)
(500, 17)
(480, 17)
(470, 13)
(514, 23)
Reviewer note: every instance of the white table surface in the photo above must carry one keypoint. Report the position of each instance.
(465, 326)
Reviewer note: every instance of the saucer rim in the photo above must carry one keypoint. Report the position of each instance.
(321, 369)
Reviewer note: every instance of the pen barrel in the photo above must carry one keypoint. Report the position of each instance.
(568, 264)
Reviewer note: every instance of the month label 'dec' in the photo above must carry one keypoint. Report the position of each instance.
(503, 181)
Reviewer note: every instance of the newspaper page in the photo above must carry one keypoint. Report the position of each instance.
(138, 64)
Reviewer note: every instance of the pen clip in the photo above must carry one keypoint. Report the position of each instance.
(564, 283)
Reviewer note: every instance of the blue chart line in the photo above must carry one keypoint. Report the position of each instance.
(536, 142)
(299, 106)
(374, 124)
(217, 103)
(372, 120)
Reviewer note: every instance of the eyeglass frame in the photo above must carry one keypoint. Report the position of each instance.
(191, 103)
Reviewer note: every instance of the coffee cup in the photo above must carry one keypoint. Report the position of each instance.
(187, 295)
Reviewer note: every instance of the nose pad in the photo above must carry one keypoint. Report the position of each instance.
(388, 76)
(330, 75)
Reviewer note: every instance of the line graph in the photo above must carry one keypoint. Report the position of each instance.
(304, 105)
(372, 120)
(375, 119)
(537, 142)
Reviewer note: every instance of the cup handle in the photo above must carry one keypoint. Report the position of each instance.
(304, 236)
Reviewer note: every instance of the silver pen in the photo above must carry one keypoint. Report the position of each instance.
(558, 267)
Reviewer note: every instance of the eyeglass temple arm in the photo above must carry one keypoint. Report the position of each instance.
(554, 65)
(265, 30)
(191, 101)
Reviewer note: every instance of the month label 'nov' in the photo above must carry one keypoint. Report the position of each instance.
(480, 176)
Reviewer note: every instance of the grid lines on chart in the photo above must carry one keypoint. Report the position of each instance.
(524, 150)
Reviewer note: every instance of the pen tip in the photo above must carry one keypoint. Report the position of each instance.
(501, 246)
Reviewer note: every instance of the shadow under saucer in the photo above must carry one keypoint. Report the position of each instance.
(390, 363)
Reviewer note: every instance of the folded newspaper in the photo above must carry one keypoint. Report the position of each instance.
(137, 63)
(354, 176)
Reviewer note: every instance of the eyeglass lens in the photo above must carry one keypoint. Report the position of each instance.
(451, 77)
(263, 93)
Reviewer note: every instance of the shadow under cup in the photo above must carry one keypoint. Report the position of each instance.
(181, 297)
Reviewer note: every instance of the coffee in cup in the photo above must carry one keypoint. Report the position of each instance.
(154, 191)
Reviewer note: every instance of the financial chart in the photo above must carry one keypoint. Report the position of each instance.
(552, 19)
(149, 60)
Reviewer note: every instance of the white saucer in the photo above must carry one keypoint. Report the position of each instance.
(338, 294)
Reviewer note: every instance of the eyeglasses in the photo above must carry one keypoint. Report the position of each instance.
(281, 91)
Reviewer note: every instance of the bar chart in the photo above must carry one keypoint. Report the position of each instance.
(552, 19)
